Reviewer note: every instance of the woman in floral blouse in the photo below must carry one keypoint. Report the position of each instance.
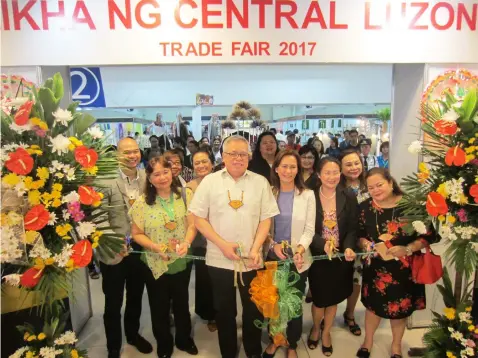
(388, 290)
(162, 225)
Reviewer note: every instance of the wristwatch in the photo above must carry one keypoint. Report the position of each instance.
(409, 251)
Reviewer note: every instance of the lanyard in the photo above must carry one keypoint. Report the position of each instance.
(168, 206)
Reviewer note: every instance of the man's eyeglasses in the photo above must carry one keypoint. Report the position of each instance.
(238, 155)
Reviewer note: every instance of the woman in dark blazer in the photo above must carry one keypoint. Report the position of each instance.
(264, 155)
(331, 281)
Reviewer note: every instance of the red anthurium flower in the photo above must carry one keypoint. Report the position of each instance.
(88, 195)
(31, 277)
(82, 253)
(19, 162)
(455, 156)
(23, 113)
(436, 204)
(474, 192)
(37, 218)
(85, 156)
(445, 127)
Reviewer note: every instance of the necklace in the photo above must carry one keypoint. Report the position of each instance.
(235, 204)
(326, 197)
(168, 206)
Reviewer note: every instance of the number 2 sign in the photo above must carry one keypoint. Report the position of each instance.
(87, 87)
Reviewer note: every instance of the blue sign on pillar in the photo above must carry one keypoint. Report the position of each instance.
(87, 87)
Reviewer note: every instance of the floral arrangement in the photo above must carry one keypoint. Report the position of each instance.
(444, 193)
(51, 215)
(228, 124)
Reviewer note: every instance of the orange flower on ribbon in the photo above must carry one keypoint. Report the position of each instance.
(23, 113)
(474, 192)
(88, 196)
(82, 253)
(85, 156)
(436, 204)
(37, 218)
(393, 227)
(19, 162)
(31, 277)
(445, 127)
(455, 156)
(264, 293)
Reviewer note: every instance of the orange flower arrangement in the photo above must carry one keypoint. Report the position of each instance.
(19, 162)
(436, 204)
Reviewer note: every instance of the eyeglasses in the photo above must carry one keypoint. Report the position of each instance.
(238, 155)
(175, 164)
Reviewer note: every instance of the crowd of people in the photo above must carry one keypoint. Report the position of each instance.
(236, 210)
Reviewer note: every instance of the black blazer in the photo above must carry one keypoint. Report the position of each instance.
(260, 166)
(347, 218)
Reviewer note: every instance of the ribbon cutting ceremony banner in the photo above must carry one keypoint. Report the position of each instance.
(122, 32)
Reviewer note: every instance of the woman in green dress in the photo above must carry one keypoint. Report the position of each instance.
(163, 227)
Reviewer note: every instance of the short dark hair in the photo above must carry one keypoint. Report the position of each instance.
(190, 136)
(196, 144)
(346, 131)
(149, 190)
(385, 174)
(176, 152)
(206, 151)
(384, 144)
(353, 131)
(291, 134)
(273, 130)
(179, 140)
(153, 136)
(204, 138)
(335, 140)
(309, 149)
(296, 131)
(136, 133)
(298, 180)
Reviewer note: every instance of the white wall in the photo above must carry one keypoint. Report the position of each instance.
(176, 86)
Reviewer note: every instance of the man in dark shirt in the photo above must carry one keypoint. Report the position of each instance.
(343, 145)
(353, 141)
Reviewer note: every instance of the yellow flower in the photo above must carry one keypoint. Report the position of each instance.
(94, 245)
(463, 199)
(43, 173)
(4, 220)
(470, 149)
(422, 167)
(29, 354)
(471, 328)
(31, 236)
(57, 187)
(11, 179)
(449, 354)
(451, 219)
(39, 263)
(26, 335)
(476, 330)
(55, 194)
(450, 313)
(63, 230)
(49, 261)
(14, 218)
(75, 142)
(90, 171)
(28, 182)
(468, 309)
(41, 336)
(34, 197)
(31, 338)
(471, 140)
(46, 198)
(70, 265)
(74, 353)
(38, 184)
(35, 149)
(442, 190)
(56, 203)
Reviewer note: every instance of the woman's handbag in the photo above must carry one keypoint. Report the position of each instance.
(426, 268)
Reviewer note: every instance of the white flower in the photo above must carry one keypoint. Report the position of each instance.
(50, 352)
(19, 352)
(463, 342)
(470, 352)
(56, 166)
(52, 220)
(18, 101)
(20, 129)
(71, 197)
(10, 246)
(68, 337)
(474, 245)
(450, 116)
(85, 229)
(445, 231)
(60, 144)
(466, 232)
(70, 175)
(95, 132)
(13, 279)
(452, 237)
(454, 188)
(451, 330)
(464, 316)
(419, 227)
(62, 258)
(20, 188)
(62, 116)
(415, 147)
(66, 214)
(457, 335)
(39, 250)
